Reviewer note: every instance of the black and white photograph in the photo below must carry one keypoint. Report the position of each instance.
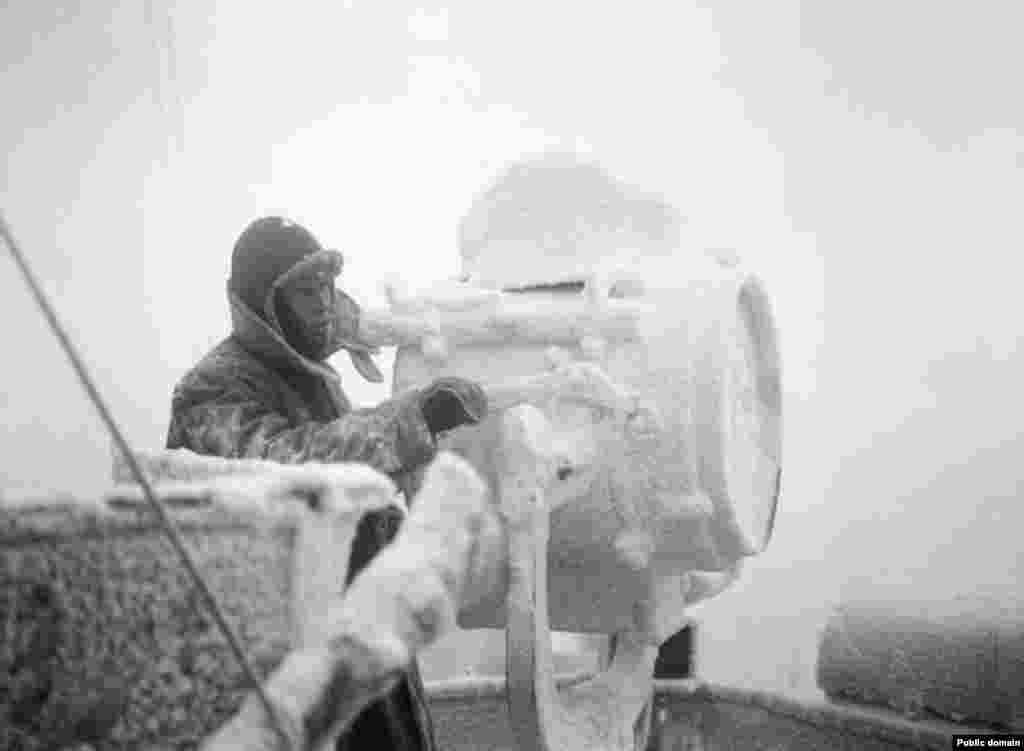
(401, 376)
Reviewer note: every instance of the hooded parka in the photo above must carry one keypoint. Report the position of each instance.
(255, 396)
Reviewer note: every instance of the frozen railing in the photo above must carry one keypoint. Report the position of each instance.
(106, 644)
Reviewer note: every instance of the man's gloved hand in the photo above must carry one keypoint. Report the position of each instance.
(450, 402)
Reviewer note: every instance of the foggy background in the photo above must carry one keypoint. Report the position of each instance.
(874, 150)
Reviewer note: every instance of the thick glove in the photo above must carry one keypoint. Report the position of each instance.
(450, 402)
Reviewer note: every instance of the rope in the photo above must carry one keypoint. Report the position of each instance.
(165, 520)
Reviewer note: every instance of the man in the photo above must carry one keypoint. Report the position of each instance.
(267, 392)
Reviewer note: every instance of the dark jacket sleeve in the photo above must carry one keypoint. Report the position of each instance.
(235, 415)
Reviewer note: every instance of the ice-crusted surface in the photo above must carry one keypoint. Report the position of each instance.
(184, 466)
(961, 659)
(555, 218)
(104, 638)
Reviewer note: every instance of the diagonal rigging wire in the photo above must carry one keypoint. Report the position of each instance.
(165, 520)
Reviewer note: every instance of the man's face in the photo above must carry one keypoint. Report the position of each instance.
(310, 299)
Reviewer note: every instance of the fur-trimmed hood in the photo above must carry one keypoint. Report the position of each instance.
(269, 252)
(264, 337)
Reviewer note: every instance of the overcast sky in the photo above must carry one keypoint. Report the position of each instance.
(873, 149)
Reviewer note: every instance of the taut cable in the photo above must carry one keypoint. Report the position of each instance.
(165, 520)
